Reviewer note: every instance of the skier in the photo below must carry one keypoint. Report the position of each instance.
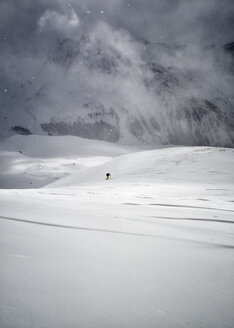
(108, 175)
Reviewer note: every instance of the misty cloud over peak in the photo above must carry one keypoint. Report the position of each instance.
(65, 24)
(155, 73)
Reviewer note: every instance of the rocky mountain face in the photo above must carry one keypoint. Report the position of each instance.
(124, 90)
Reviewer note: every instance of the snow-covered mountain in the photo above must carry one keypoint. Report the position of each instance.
(105, 85)
(140, 92)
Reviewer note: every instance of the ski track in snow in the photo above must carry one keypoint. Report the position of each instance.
(199, 207)
(116, 231)
(183, 206)
(193, 219)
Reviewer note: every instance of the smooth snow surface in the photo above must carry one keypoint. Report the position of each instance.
(152, 247)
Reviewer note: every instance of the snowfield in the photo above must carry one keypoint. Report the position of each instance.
(152, 247)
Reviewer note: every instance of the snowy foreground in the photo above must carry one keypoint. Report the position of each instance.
(152, 247)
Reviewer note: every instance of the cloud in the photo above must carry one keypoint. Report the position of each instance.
(62, 23)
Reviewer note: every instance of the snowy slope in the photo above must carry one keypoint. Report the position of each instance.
(152, 247)
(34, 161)
(167, 165)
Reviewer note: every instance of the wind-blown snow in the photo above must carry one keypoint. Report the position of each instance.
(103, 83)
(151, 247)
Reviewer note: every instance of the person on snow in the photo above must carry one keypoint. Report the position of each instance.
(108, 175)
